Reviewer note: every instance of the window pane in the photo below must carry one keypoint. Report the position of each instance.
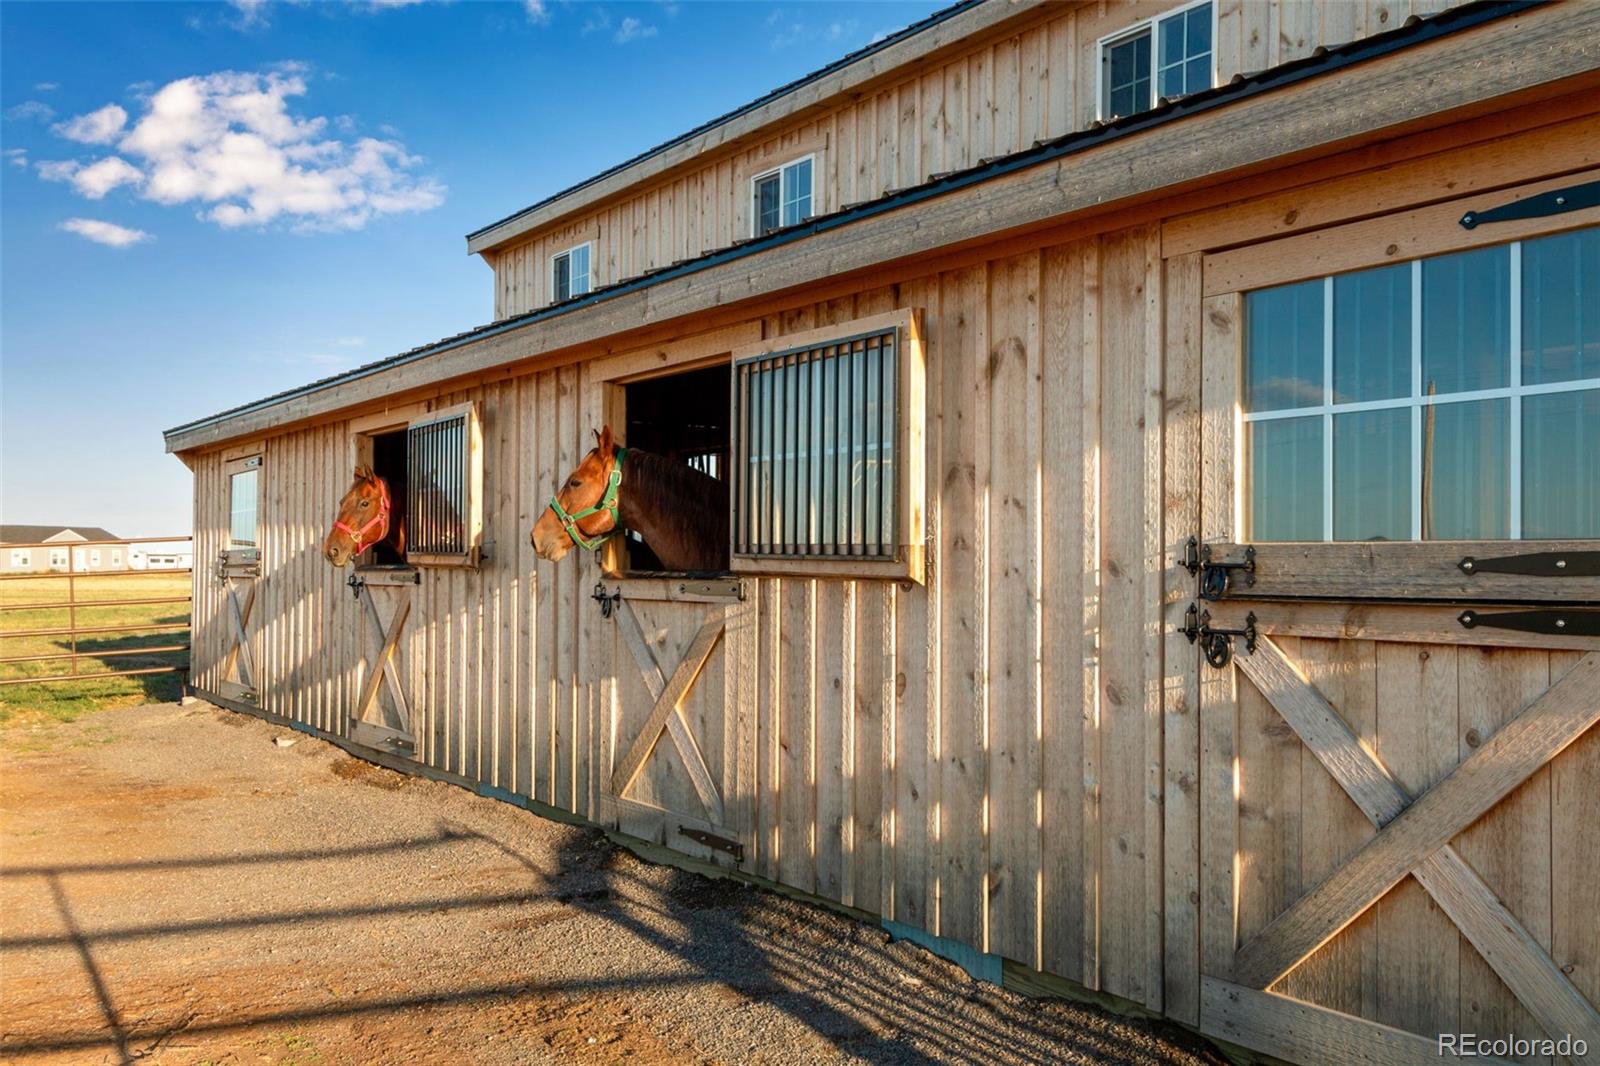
(1561, 465)
(1372, 335)
(1372, 475)
(1172, 40)
(242, 507)
(562, 282)
(1465, 474)
(797, 192)
(1199, 33)
(767, 206)
(1128, 77)
(579, 270)
(1465, 301)
(1283, 347)
(1285, 463)
(1561, 308)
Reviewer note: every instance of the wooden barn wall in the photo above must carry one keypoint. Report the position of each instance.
(978, 756)
(998, 98)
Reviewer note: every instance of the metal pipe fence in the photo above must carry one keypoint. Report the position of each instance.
(72, 574)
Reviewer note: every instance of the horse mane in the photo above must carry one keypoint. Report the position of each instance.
(680, 511)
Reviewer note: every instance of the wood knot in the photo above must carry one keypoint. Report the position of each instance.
(1473, 738)
(1292, 217)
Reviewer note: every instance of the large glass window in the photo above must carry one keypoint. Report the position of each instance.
(782, 197)
(1165, 57)
(243, 492)
(1449, 398)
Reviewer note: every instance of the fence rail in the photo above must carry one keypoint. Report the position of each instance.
(72, 574)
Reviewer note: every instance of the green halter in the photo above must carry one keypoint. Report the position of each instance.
(607, 503)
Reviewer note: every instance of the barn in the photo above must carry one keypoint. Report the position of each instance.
(1163, 448)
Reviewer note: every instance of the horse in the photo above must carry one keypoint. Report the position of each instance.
(681, 514)
(369, 515)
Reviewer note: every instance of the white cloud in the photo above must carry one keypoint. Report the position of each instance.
(350, 342)
(599, 19)
(31, 110)
(46, 87)
(97, 127)
(108, 233)
(229, 144)
(842, 29)
(537, 11)
(632, 29)
(252, 13)
(17, 157)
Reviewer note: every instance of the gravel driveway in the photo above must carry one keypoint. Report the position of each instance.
(178, 887)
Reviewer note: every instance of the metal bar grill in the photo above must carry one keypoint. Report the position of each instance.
(436, 479)
(816, 450)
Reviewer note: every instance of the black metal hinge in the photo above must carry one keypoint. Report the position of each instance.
(1536, 564)
(1555, 202)
(1547, 621)
(1216, 644)
(1216, 578)
(714, 842)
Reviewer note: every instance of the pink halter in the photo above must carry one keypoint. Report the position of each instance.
(379, 519)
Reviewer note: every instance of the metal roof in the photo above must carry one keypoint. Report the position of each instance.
(1413, 32)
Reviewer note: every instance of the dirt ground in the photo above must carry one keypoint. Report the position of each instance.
(180, 888)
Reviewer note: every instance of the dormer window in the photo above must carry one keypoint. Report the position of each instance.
(569, 273)
(781, 196)
(1164, 57)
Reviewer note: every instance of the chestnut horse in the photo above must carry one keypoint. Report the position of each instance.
(681, 513)
(369, 515)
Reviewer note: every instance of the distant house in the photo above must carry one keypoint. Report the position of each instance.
(41, 549)
(160, 560)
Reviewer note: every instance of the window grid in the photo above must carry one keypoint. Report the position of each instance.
(569, 273)
(791, 202)
(1513, 392)
(1147, 40)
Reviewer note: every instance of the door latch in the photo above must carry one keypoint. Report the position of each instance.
(608, 601)
(1216, 644)
(1216, 578)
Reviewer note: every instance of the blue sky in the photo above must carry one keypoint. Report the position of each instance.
(201, 204)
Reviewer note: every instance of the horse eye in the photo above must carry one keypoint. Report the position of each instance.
(574, 483)
(366, 503)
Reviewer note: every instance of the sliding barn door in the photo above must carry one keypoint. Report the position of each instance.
(681, 755)
(1400, 765)
(382, 715)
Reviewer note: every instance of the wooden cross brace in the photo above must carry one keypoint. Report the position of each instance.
(240, 653)
(391, 675)
(384, 667)
(667, 714)
(1414, 837)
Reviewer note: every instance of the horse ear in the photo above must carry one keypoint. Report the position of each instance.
(606, 442)
(363, 473)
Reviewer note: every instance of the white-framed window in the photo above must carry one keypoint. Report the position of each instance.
(21, 558)
(781, 196)
(244, 501)
(1455, 397)
(569, 273)
(94, 556)
(1168, 56)
(58, 558)
(116, 558)
(826, 474)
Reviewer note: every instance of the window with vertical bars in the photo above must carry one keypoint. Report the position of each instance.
(437, 481)
(815, 450)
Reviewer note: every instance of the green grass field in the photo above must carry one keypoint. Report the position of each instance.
(61, 701)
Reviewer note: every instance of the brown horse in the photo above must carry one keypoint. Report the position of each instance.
(369, 515)
(681, 513)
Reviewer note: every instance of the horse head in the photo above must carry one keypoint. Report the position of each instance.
(584, 510)
(366, 514)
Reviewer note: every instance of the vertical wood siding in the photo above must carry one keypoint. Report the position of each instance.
(963, 756)
(1000, 97)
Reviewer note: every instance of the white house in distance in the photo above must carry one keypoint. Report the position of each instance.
(43, 549)
(157, 557)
